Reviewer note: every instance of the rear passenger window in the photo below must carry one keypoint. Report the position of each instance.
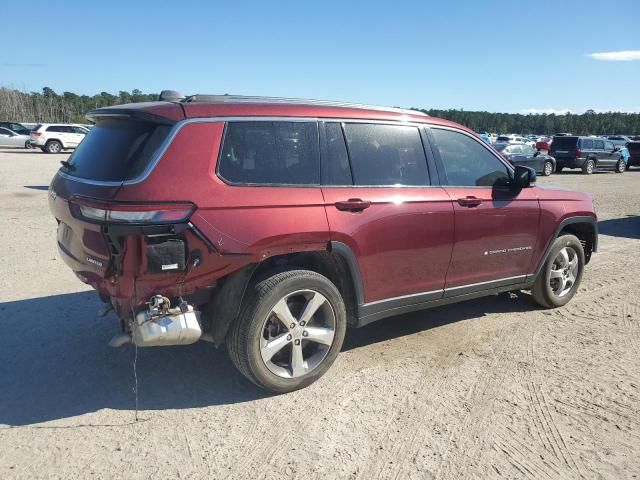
(336, 165)
(587, 144)
(55, 129)
(271, 153)
(599, 144)
(467, 162)
(386, 154)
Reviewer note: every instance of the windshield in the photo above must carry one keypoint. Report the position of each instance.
(116, 150)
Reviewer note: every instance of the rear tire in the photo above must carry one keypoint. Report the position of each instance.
(53, 146)
(589, 167)
(547, 169)
(28, 145)
(621, 166)
(271, 343)
(560, 275)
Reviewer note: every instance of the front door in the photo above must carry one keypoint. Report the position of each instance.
(495, 227)
(380, 203)
(609, 156)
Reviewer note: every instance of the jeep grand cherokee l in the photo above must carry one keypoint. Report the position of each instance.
(270, 225)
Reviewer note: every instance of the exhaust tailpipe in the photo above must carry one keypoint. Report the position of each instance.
(119, 340)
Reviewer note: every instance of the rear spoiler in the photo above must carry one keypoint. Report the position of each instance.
(127, 114)
(166, 113)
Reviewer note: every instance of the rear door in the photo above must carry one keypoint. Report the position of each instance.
(495, 227)
(604, 156)
(381, 203)
(59, 133)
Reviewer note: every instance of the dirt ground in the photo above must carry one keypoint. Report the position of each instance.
(493, 388)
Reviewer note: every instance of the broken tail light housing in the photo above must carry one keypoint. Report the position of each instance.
(131, 213)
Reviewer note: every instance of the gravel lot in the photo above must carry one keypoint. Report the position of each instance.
(494, 388)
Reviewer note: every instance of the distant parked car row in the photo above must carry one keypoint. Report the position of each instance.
(49, 137)
(548, 154)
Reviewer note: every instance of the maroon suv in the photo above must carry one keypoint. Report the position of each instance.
(273, 224)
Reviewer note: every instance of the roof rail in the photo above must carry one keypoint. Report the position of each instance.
(291, 101)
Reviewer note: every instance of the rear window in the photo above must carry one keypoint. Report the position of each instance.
(564, 143)
(117, 150)
(386, 154)
(586, 144)
(271, 153)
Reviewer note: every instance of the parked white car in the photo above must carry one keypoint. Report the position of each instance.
(9, 138)
(514, 139)
(55, 137)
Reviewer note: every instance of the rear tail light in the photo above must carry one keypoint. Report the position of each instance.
(130, 213)
(35, 134)
(578, 153)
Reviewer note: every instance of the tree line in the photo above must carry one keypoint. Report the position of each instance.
(48, 106)
(588, 123)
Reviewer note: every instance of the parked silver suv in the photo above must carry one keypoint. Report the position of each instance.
(55, 137)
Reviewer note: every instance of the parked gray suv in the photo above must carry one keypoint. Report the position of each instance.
(586, 153)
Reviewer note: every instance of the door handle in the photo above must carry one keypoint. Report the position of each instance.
(353, 205)
(469, 202)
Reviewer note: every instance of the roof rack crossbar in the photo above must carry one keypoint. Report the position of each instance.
(199, 98)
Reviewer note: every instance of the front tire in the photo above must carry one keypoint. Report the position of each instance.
(621, 166)
(561, 273)
(290, 330)
(589, 167)
(53, 146)
(28, 145)
(547, 169)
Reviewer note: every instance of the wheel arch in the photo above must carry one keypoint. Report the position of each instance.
(49, 140)
(337, 263)
(585, 228)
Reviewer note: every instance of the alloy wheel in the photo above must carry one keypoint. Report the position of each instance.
(297, 333)
(548, 168)
(590, 166)
(564, 272)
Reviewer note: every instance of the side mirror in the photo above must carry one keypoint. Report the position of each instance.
(523, 177)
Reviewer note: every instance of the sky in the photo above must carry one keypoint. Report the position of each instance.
(501, 56)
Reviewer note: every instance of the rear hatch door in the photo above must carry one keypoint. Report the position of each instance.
(118, 149)
(564, 147)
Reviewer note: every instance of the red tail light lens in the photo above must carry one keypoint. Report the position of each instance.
(578, 153)
(143, 213)
(35, 134)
